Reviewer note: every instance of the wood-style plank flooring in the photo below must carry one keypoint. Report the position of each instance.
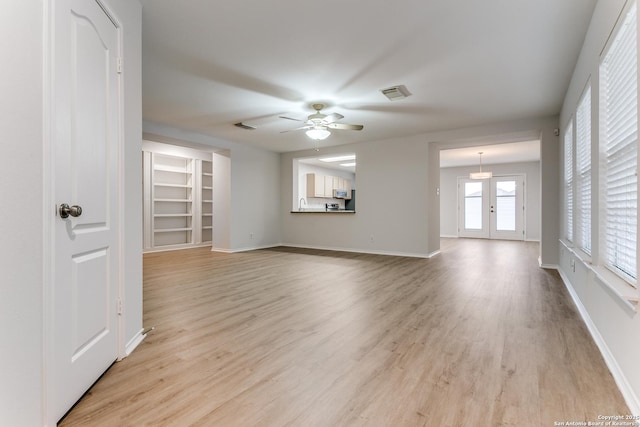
(476, 336)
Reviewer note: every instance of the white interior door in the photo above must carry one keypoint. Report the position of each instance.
(491, 208)
(86, 141)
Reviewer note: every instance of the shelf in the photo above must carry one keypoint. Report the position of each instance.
(207, 214)
(207, 201)
(170, 230)
(172, 185)
(174, 169)
(207, 227)
(207, 174)
(182, 215)
(173, 200)
(207, 188)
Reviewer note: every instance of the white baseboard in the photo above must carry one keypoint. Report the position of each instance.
(245, 249)
(621, 380)
(363, 251)
(448, 236)
(134, 342)
(176, 248)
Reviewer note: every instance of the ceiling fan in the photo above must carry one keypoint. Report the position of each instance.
(317, 125)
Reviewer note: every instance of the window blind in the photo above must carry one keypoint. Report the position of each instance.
(619, 133)
(583, 172)
(568, 181)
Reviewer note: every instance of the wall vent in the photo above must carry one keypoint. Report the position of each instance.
(396, 92)
(245, 126)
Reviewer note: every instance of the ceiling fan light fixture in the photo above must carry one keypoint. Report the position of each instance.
(318, 134)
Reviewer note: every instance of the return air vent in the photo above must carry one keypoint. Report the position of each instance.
(245, 126)
(396, 92)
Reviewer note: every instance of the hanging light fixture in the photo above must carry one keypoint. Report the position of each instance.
(318, 133)
(480, 175)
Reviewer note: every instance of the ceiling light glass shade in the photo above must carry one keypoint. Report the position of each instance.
(480, 175)
(318, 134)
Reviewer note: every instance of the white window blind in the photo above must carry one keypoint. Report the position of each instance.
(568, 181)
(583, 172)
(619, 132)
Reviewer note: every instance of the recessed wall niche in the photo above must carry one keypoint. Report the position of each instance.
(178, 197)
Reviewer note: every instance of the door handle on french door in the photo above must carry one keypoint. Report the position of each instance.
(66, 210)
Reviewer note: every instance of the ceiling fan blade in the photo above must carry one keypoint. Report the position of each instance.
(290, 118)
(333, 117)
(300, 128)
(344, 126)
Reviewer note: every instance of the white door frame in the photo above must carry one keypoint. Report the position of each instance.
(488, 203)
(51, 21)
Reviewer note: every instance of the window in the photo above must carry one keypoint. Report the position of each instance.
(618, 150)
(568, 181)
(583, 172)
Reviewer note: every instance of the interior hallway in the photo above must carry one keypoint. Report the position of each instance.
(478, 335)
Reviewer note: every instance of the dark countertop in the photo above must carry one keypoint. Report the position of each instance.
(338, 211)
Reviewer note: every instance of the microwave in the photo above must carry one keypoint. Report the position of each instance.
(339, 194)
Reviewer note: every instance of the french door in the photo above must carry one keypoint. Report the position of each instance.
(491, 208)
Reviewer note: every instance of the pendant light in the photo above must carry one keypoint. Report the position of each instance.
(480, 175)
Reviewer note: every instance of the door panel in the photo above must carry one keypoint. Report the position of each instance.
(474, 205)
(86, 141)
(507, 208)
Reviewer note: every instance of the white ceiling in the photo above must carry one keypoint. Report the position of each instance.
(524, 151)
(210, 64)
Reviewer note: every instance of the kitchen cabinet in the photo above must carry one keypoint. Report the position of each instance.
(315, 185)
(328, 186)
(346, 185)
(323, 185)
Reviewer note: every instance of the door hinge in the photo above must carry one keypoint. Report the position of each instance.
(119, 65)
(119, 306)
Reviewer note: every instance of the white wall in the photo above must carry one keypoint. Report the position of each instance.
(397, 198)
(601, 299)
(391, 177)
(26, 270)
(449, 195)
(22, 228)
(253, 188)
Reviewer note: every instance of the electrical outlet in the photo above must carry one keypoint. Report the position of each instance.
(251, 235)
(371, 238)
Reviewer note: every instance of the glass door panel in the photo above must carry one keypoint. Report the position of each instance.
(473, 208)
(507, 216)
(473, 205)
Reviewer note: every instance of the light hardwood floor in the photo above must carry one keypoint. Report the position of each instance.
(476, 336)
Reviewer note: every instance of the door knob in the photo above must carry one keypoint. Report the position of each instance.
(66, 210)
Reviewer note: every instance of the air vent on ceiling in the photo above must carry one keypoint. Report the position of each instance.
(245, 126)
(396, 92)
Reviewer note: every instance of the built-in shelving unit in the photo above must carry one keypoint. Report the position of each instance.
(178, 205)
(207, 200)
